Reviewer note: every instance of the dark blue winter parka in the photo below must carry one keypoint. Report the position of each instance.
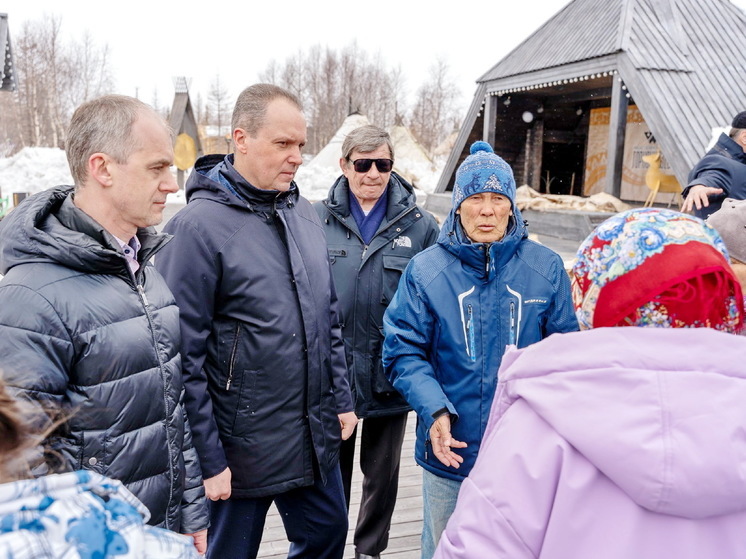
(366, 277)
(80, 333)
(458, 305)
(724, 166)
(264, 364)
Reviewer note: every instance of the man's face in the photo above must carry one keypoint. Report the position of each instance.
(485, 216)
(270, 160)
(140, 186)
(369, 186)
(740, 139)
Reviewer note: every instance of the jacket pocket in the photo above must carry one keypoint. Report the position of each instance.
(246, 403)
(393, 267)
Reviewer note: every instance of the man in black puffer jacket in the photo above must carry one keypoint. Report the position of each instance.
(373, 228)
(89, 327)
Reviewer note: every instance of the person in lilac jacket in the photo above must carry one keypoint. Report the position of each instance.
(621, 442)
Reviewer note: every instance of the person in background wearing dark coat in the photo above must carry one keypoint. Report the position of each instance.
(373, 228)
(89, 327)
(720, 174)
(264, 363)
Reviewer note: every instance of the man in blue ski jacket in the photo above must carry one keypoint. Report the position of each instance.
(482, 287)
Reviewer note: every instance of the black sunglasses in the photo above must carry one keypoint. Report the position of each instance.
(363, 165)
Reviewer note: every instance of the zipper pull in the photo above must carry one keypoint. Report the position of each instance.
(365, 249)
(512, 323)
(228, 384)
(141, 290)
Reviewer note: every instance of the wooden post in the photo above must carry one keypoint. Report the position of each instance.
(490, 116)
(615, 149)
(537, 148)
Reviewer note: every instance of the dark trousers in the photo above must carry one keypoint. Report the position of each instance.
(315, 521)
(380, 453)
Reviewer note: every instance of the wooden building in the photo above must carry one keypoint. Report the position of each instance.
(7, 76)
(557, 107)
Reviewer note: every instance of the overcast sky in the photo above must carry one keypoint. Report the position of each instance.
(153, 41)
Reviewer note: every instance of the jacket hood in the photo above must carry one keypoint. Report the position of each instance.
(658, 411)
(485, 258)
(213, 172)
(728, 145)
(401, 196)
(47, 227)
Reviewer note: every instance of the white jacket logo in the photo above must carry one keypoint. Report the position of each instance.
(402, 241)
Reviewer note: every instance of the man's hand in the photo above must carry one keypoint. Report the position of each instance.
(698, 196)
(200, 541)
(442, 442)
(347, 422)
(219, 487)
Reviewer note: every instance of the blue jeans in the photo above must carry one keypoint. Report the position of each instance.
(439, 496)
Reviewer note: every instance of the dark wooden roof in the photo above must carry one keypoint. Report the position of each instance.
(7, 78)
(680, 60)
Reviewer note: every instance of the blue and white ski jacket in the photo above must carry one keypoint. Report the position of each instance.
(458, 305)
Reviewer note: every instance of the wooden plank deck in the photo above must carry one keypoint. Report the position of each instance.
(406, 524)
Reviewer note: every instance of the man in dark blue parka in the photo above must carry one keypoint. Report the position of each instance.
(720, 174)
(373, 228)
(264, 364)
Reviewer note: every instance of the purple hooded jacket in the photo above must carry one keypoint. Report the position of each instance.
(611, 443)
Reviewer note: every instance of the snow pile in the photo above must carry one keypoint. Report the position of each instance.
(33, 170)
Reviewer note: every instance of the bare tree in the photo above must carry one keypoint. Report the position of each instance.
(333, 84)
(435, 114)
(53, 78)
(218, 109)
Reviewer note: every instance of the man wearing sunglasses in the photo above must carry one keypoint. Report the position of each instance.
(373, 228)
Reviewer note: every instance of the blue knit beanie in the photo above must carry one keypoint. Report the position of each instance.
(483, 171)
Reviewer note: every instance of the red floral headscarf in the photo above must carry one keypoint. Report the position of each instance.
(656, 267)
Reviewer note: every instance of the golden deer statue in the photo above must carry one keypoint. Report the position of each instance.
(658, 181)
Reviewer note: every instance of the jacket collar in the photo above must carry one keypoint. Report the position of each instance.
(485, 259)
(216, 178)
(50, 228)
(401, 197)
(728, 147)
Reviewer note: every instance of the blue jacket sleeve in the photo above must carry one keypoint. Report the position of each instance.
(562, 316)
(710, 171)
(188, 256)
(409, 329)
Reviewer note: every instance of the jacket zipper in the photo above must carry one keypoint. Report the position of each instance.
(511, 339)
(232, 362)
(146, 304)
(470, 333)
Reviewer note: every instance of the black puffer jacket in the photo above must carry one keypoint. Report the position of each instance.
(78, 331)
(263, 353)
(366, 278)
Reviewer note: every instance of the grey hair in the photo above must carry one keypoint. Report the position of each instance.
(250, 110)
(104, 125)
(366, 139)
(735, 131)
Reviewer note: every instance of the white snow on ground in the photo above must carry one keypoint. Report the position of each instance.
(33, 170)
